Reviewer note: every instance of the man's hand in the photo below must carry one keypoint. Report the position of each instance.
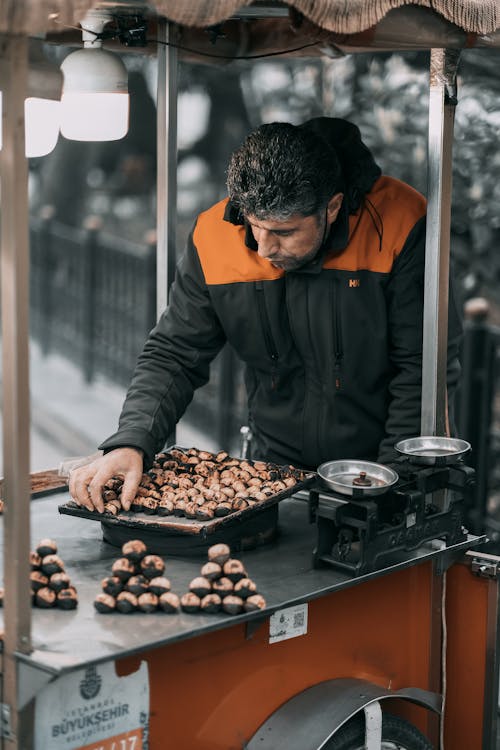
(86, 483)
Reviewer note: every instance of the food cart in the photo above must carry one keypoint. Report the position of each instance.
(410, 628)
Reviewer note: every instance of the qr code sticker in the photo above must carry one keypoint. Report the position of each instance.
(298, 620)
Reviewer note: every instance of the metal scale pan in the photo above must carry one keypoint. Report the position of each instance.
(433, 450)
(357, 478)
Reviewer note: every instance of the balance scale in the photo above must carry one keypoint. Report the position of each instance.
(369, 516)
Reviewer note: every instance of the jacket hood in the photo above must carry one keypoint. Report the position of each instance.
(359, 168)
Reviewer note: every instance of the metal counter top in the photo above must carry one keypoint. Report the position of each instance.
(67, 640)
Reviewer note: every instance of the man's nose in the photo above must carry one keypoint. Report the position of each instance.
(266, 243)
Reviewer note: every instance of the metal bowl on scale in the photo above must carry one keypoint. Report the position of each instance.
(356, 477)
(432, 450)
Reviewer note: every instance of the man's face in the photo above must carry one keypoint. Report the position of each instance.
(290, 244)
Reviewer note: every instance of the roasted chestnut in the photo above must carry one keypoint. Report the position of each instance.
(134, 550)
(149, 506)
(148, 602)
(52, 564)
(211, 603)
(159, 585)
(211, 570)
(152, 566)
(219, 553)
(169, 602)
(104, 603)
(234, 570)
(254, 602)
(67, 598)
(190, 602)
(38, 580)
(137, 585)
(126, 602)
(223, 509)
(233, 605)
(46, 547)
(45, 598)
(222, 586)
(200, 586)
(112, 585)
(35, 560)
(245, 587)
(123, 568)
(165, 507)
(59, 581)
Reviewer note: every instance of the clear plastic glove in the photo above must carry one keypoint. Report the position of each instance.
(86, 482)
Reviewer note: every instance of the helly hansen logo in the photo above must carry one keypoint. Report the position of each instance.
(354, 282)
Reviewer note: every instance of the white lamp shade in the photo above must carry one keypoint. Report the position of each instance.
(41, 125)
(95, 100)
(94, 117)
(41, 118)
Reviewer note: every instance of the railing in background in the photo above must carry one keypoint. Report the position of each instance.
(93, 301)
(92, 295)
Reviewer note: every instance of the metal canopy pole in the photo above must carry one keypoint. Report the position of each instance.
(442, 101)
(166, 193)
(16, 402)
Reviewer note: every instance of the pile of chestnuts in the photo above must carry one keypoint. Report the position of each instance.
(137, 584)
(199, 485)
(222, 586)
(50, 584)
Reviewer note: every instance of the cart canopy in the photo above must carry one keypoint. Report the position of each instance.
(34, 17)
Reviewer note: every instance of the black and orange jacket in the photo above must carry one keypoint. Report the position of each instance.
(332, 350)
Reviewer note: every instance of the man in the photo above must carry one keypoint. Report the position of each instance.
(313, 271)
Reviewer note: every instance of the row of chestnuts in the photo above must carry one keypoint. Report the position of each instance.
(222, 586)
(50, 584)
(137, 584)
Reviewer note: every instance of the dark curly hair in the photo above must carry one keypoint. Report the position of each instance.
(280, 170)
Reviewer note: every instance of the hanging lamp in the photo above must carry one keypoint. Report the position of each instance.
(95, 99)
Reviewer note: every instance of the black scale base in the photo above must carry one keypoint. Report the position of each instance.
(359, 534)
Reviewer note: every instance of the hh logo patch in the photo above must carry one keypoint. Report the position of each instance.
(354, 282)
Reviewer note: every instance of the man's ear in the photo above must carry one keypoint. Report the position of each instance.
(333, 207)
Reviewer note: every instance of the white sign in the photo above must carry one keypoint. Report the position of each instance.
(288, 623)
(94, 709)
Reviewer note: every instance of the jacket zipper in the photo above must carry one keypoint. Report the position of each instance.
(268, 336)
(337, 335)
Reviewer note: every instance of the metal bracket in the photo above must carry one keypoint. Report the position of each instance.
(5, 723)
(253, 625)
(483, 564)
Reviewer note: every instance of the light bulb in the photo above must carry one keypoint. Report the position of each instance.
(95, 100)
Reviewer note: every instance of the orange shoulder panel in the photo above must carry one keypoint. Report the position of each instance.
(224, 257)
(395, 208)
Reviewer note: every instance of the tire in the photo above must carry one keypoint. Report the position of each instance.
(397, 734)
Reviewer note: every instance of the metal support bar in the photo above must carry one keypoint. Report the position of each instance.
(442, 101)
(166, 200)
(487, 566)
(166, 183)
(373, 726)
(16, 400)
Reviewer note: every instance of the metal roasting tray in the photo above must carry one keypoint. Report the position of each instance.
(433, 450)
(340, 475)
(181, 531)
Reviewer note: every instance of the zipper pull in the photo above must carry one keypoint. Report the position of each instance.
(338, 382)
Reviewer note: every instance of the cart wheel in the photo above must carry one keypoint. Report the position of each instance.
(397, 734)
